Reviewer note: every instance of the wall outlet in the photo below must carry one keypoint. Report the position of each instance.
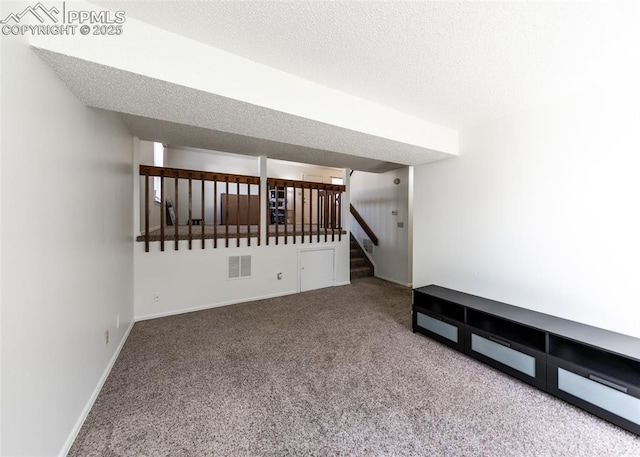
(117, 320)
(106, 337)
(156, 298)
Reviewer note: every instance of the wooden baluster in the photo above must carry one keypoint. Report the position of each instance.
(215, 211)
(226, 213)
(310, 215)
(336, 200)
(339, 216)
(302, 215)
(146, 210)
(332, 209)
(329, 206)
(190, 209)
(318, 215)
(237, 213)
(248, 213)
(286, 225)
(162, 210)
(332, 204)
(202, 210)
(277, 213)
(175, 210)
(325, 209)
(259, 203)
(295, 227)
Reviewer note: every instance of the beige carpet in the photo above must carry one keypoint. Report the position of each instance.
(328, 372)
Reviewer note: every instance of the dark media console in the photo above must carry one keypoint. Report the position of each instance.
(592, 368)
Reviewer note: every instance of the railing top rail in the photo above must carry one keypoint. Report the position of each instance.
(372, 236)
(149, 170)
(305, 184)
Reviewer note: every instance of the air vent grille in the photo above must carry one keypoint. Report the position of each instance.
(239, 267)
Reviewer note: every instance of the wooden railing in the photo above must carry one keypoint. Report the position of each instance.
(372, 236)
(295, 209)
(220, 182)
(295, 205)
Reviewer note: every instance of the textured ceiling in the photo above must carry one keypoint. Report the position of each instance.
(161, 111)
(197, 137)
(453, 63)
(356, 84)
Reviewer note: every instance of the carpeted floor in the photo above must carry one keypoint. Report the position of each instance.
(329, 372)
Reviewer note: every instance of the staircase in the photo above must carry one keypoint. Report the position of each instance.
(361, 266)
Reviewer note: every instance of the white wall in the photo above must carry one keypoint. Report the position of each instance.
(188, 280)
(201, 159)
(541, 210)
(67, 260)
(198, 159)
(145, 157)
(375, 197)
(197, 279)
(291, 170)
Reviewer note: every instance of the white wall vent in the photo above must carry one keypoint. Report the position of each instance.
(239, 266)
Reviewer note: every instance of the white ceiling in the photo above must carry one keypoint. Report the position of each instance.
(457, 64)
(364, 85)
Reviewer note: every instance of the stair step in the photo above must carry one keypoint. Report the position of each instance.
(358, 262)
(360, 265)
(361, 272)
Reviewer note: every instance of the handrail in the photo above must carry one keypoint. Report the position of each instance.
(372, 236)
(197, 174)
(164, 173)
(326, 199)
(295, 209)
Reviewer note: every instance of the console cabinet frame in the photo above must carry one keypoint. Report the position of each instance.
(572, 361)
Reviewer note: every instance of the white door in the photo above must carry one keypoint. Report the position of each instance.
(316, 269)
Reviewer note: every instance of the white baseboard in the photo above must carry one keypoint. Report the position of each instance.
(213, 305)
(395, 281)
(343, 283)
(85, 412)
